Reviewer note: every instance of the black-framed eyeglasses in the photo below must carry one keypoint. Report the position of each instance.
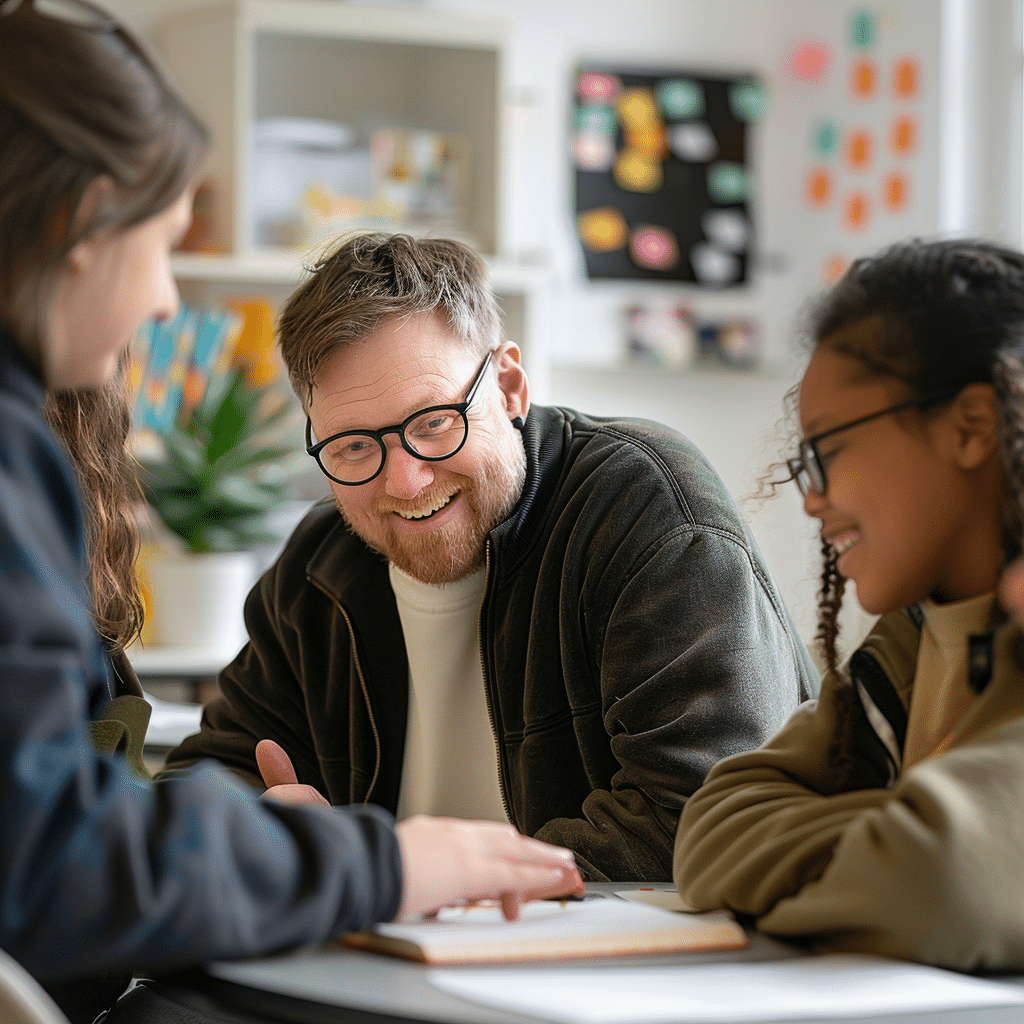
(81, 13)
(808, 470)
(432, 434)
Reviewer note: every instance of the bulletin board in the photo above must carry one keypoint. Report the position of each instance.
(662, 177)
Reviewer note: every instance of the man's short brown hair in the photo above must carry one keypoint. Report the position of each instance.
(371, 277)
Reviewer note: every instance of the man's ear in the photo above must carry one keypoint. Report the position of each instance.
(83, 251)
(512, 380)
(974, 420)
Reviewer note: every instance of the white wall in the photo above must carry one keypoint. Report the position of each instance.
(733, 417)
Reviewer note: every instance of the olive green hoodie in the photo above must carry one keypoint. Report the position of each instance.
(819, 833)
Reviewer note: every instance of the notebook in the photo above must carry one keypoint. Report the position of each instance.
(550, 930)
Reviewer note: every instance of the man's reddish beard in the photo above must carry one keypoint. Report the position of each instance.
(454, 551)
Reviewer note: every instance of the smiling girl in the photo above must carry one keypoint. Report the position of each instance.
(885, 816)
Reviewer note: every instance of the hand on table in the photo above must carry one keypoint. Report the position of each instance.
(449, 860)
(280, 779)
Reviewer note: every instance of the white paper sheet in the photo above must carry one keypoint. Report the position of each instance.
(818, 986)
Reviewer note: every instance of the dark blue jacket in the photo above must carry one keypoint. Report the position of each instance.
(102, 871)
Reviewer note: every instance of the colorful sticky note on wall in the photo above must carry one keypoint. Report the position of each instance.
(693, 142)
(903, 135)
(905, 78)
(598, 87)
(825, 138)
(637, 108)
(833, 267)
(748, 101)
(727, 182)
(637, 172)
(863, 76)
(713, 266)
(653, 247)
(862, 29)
(602, 230)
(809, 60)
(895, 191)
(819, 186)
(856, 210)
(594, 152)
(596, 119)
(727, 229)
(648, 140)
(858, 149)
(680, 98)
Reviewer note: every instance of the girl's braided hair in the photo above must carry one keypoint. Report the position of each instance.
(950, 313)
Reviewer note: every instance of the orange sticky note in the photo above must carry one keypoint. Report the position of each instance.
(862, 79)
(858, 149)
(819, 186)
(905, 77)
(855, 211)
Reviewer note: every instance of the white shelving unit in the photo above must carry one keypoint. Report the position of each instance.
(242, 60)
(245, 60)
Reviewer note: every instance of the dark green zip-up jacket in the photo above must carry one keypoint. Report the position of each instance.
(630, 635)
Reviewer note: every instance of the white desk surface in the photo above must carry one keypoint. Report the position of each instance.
(327, 983)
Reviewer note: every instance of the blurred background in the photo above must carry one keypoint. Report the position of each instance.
(660, 186)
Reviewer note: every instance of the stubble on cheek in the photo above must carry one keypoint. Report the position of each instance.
(456, 549)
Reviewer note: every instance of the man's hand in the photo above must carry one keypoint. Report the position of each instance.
(448, 860)
(280, 779)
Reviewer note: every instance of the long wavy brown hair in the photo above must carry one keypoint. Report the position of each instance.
(94, 425)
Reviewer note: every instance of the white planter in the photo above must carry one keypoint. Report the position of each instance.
(196, 600)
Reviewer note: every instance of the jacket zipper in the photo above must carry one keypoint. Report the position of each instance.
(362, 683)
(499, 748)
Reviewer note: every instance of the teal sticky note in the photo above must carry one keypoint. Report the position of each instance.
(862, 30)
(596, 119)
(825, 138)
(728, 182)
(748, 101)
(680, 98)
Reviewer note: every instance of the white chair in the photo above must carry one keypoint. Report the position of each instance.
(22, 999)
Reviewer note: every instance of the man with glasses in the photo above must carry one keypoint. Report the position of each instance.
(506, 611)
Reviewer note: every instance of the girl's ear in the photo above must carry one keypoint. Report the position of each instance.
(82, 252)
(975, 425)
(512, 380)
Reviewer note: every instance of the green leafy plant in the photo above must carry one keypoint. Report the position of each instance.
(222, 466)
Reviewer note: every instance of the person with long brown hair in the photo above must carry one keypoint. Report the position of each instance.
(103, 872)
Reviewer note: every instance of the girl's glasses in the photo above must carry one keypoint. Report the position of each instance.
(808, 470)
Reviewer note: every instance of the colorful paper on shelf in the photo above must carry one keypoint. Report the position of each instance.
(173, 359)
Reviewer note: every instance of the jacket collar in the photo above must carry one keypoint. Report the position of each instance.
(15, 372)
(545, 437)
